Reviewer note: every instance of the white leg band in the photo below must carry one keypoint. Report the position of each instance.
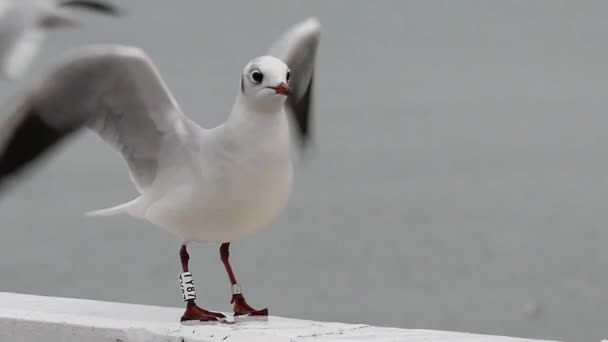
(187, 286)
(236, 289)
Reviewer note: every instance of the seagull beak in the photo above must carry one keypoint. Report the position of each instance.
(282, 89)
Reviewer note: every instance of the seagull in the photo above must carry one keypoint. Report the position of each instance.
(23, 24)
(205, 185)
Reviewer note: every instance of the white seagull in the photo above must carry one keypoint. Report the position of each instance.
(23, 24)
(206, 185)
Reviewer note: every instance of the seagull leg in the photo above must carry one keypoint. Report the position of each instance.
(240, 305)
(193, 311)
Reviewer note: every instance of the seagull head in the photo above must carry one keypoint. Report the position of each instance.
(265, 82)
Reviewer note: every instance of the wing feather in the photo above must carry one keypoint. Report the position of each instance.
(297, 47)
(117, 92)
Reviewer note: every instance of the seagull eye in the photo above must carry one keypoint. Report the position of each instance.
(288, 76)
(257, 76)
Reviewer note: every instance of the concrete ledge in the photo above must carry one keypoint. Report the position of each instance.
(28, 318)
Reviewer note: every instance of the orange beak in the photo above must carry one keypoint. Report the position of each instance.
(282, 89)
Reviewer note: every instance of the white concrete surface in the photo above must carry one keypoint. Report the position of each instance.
(27, 318)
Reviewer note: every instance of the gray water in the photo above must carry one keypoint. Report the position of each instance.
(460, 184)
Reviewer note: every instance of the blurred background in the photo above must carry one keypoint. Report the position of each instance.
(460, 184)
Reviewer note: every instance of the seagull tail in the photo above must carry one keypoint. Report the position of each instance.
(125, 208)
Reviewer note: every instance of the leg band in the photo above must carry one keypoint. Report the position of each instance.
(187, 286)
(236, 289)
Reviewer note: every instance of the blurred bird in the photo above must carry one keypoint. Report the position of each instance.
(206, 185)
(23, 24)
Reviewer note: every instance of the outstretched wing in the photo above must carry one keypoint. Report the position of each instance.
(23, 25)
(298, 48)
(114, 90)
(92, 5)
(18, 48)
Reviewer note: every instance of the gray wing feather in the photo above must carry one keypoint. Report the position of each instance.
(297, 47)
(91, 5)
(117, 92)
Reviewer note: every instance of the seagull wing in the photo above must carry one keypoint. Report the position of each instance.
(91, 5)
(19, 45)
(297, 48)
(114, 90)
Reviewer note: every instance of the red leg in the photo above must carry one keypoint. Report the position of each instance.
(240, 305)
(193, 311)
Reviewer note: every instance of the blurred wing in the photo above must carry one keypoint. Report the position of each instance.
(114, 90)
(92, 5)
(297, 48)
(17, 51)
